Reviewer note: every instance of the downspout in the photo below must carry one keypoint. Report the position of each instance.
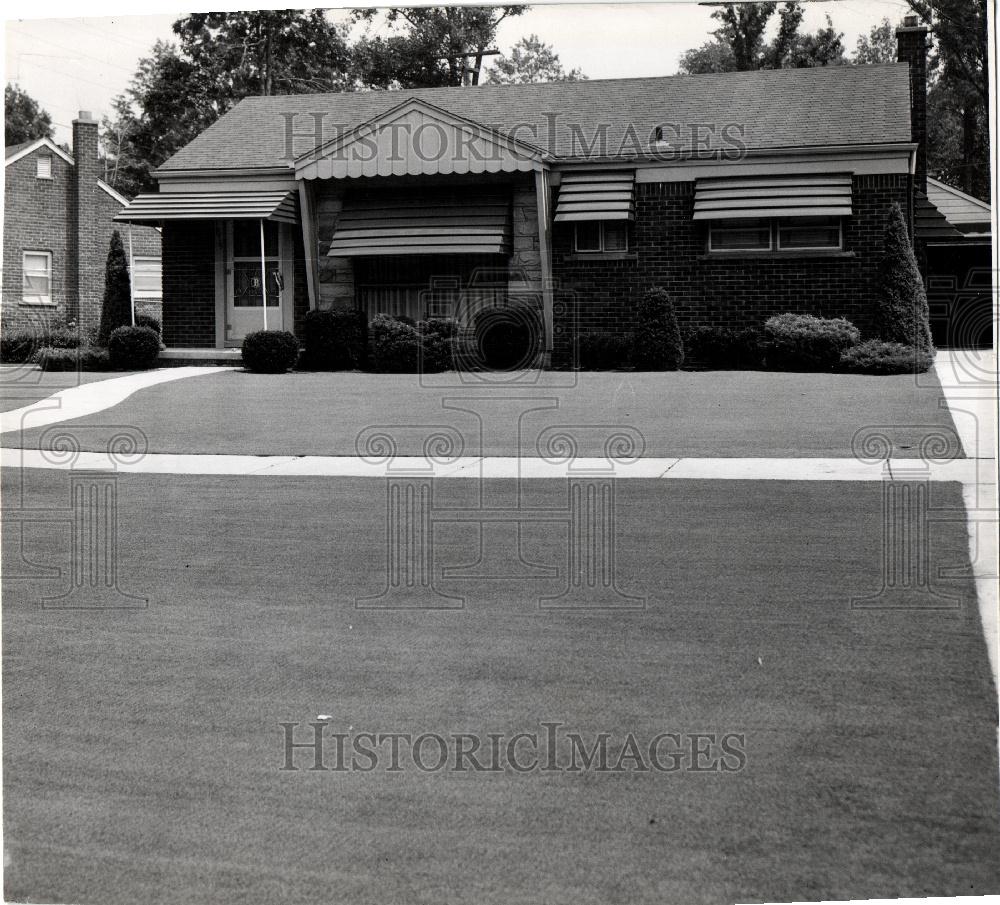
(263, 273)
(545, 253)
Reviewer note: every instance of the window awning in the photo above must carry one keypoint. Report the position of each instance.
(929, 222)
(260, 205)
(596, 195)
(393, 223)
(735, 198)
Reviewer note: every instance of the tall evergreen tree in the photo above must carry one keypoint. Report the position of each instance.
(902, 315)
(116, 310)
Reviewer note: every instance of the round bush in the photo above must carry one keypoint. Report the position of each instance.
(334, 340)
(395, 345)
(801, 342)
(506, 339)
(270, 351)
(133, 348)
(878, 357)
(147, 320)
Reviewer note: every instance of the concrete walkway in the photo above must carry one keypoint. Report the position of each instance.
(91, 398)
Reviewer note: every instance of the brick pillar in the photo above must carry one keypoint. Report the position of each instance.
(911, 39)
(87, 244)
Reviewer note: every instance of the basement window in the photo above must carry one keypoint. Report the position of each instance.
(601, 236)
(36, 278)
(43, 166)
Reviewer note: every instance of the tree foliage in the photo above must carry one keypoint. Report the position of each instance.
(531, 61)
(739, 41)
(116, 309)
(427, 47)
(878, 46)
(24, 119)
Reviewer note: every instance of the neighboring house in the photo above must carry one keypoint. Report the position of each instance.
(58, 220)
(954, 241)
(743, 194)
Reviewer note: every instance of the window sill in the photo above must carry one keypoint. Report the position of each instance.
(774, 255)
(584, 256)
(26, 304)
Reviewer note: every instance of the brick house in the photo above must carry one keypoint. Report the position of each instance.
(743, 194)
(58, 220)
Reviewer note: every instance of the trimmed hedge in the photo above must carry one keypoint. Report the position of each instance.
(398, 345)
(270, 351)
(657, 344)
(133, 348)
(902, 315)
(506, 338)
(334, 340)
(604, 351)
(725, 348)
(878, 357)
(801, 342)
(87, 358)
(19, 346)
(147, 320)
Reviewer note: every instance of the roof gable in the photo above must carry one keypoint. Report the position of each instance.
(417, 138)
(16, 152)
(611, 119)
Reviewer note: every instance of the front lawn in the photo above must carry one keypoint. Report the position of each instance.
(22, 385)
(142, 747)
(713, 413)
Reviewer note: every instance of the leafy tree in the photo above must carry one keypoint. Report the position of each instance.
(739, 42)
(116, 309)
(959, 95)
(24, 120)
(902, 315)
(531, 61)
(181, 89)
(878, 46)
(429, 47)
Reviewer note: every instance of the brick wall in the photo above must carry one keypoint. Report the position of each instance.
(668, 248)
(35, 220)
(42, 215)
(189, 284)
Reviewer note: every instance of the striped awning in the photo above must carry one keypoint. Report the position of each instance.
(423, 223)
(733, 198)
(260, 205)
(596, 195)
(929, 222)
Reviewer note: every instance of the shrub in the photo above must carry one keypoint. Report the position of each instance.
(445, 327)
(147, 320)
(657, 344)
(116, 308)
(725, 348)
(506, 338)
(86, 358)
(604, 351)
(878, 357)
(270, 351)
(901, 315)
(19, 346)
(395, 345)
(133, 348)
(801, 342)
(334, 340)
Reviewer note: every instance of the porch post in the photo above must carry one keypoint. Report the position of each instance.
(131, 274)
(542, 202)
(263, 273)
(308, 240)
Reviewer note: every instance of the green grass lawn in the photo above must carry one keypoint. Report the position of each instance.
(718, 413)
(142, 748)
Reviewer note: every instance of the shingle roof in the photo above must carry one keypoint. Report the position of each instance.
(784, 108)
(966, 213)
(11, 150)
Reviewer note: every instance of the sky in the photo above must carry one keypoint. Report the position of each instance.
(72, 64)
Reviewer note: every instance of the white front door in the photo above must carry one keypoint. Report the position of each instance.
(245, 310)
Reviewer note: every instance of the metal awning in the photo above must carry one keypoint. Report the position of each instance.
(733, 198)
(929, 222)
(423, 223)
(259, 205)
(596, 195)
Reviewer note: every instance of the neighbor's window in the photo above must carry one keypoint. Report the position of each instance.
(36, 285)
(601, 236)
(147, 274)
(740, 235)
(43, 166)
(809, 232)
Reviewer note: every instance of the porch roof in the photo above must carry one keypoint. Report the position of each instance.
(259, 205)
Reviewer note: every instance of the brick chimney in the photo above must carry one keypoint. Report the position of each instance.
(87, 239)
(911, 39)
